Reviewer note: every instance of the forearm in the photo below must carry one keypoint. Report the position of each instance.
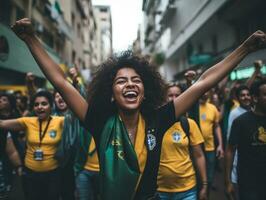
(216, 73)
(51, 70)
(31, 89)
(252, 78)
(15, 159)
(229, 155)
(200, 163)
(11, 125)
(218, 133)
(13, 153)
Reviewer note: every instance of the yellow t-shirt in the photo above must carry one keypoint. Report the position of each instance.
(176, 172)
(209, 115)
(48, 145)
(139, 146)
(92, 162)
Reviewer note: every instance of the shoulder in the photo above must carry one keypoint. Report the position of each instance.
(58, 119)
(191, 121)
(244, 117)
(211, 106)
(27, 119)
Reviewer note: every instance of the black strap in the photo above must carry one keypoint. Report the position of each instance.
(41, 135)
(185, 125)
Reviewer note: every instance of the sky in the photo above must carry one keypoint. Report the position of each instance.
(126, 17)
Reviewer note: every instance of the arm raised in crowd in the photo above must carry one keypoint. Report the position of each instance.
(258, 65)
(52, 71)
(217, 72)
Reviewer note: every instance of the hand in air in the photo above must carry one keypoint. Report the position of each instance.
(23, 28)
(256, 41)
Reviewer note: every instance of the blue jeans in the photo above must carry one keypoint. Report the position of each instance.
(86, 183)
(187, 195)
(210, 165)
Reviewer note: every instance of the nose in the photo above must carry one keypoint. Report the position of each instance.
(39, 106)
(130, 83)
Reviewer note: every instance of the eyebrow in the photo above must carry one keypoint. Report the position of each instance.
(124, 77)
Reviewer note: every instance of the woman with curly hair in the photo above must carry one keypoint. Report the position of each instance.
(124, 103)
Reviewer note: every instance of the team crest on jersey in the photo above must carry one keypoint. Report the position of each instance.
(52, 133)
(176, 136)
(203, 116)
(151, 141)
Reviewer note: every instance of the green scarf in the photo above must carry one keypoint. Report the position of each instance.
(119, 168)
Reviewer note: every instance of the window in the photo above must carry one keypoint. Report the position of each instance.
(73, 19)
(103, 9)
(79, 30)
(73, 56)
(200, 49)
(214, 44)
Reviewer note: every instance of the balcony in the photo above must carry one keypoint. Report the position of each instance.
(169, 11)
(56, 14)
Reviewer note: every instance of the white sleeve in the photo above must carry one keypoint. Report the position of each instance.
(8, 135)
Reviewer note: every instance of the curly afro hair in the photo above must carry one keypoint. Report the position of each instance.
(100, 90)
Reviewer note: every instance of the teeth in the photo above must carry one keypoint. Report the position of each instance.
(131, 93)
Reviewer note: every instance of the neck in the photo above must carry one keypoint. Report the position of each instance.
(44, 119)
(130, 119)
(202, 102)
(245, 107)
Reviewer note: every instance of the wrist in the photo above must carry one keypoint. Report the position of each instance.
(30, 39)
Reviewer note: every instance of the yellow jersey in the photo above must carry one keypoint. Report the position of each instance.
(48, 145)
(209, 116)
(176, 171)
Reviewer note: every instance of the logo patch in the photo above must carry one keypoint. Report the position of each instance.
(203, 117)
(151, 141)
(52, 133)
(176, 136)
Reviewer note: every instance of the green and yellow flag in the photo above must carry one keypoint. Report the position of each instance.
(119, 168)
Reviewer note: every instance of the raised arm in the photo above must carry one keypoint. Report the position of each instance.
(11, 125)
(217, 72)
(258, 65)
(52, 71)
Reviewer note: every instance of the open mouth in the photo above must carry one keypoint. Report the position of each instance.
(40, 112)
(130, 95)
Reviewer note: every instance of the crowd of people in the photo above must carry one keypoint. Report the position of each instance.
(130, 135)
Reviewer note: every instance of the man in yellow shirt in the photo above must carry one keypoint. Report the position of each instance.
(209, 125)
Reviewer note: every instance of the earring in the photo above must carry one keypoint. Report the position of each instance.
(112, 99)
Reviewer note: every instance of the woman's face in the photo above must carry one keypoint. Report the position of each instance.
(59, 102)
(173, 92)
(128, 89)
(4, 103)
(42, 108)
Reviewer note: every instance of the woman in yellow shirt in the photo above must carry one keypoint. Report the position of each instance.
(125, 94)
(43, 132)
(177, 176)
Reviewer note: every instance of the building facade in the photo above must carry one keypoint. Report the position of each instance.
(194, 34)
(66, 28)
(104, 46)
